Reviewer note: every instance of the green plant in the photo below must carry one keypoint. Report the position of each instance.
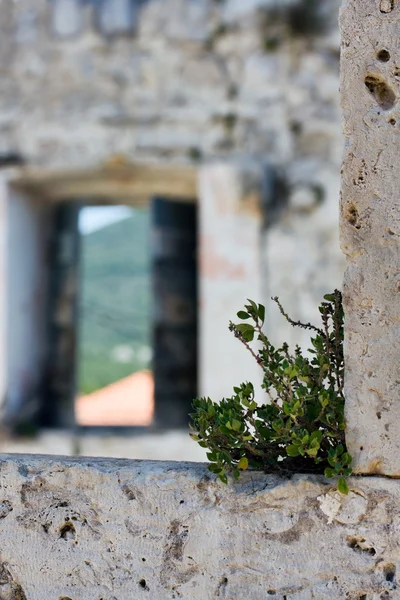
(301, 426)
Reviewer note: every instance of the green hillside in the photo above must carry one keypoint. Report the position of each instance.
(115, 302)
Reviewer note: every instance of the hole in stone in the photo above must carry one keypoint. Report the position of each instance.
(182, 502)
(67, 531)
(361, 447)
(143, 584)
(352, 216)
(392, 122)
(390, 232)
(379, 415)
(272, 592)
(46, 527)
(296, 127)
(383, 55)
(143, 560)
(359, 544)
(390, 572)
(222, 585)
(380, 90)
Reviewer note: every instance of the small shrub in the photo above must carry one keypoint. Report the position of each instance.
(301, 426)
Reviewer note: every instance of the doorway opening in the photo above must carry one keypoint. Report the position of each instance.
(115, 385)
(122, 315)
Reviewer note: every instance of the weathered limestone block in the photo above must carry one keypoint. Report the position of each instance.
(229, 198)
(370, 232)
(75, 529)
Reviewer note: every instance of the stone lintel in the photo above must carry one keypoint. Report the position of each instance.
(113, 183)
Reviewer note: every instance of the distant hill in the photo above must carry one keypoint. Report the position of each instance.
(115, 302)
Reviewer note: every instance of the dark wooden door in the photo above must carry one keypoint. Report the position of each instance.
(174, 270)
(60, 380)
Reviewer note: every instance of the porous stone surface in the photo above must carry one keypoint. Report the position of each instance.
(370, 232)
(118, 529)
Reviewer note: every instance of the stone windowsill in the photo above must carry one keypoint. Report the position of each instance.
(87, 528)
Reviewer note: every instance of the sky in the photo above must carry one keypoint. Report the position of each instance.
(93, 218)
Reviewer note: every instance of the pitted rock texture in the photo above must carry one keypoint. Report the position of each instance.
(116, 529)
(370, 231)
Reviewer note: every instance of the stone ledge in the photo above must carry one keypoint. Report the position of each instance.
(91, 529)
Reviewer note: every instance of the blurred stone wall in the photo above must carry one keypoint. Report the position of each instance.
(86, 81)
(168, 80)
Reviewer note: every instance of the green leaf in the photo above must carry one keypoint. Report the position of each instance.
(312, 452)
(246, 330)
(243, 464)
(346, 459)
(213, 468)
(252, 305)
(211, 410)
(329, 472)
(316, 435)
(261, 313)
(243, 315)
(342, 486)
(287, 409)
(236, 425)
(292, 450)
(223, 477)
(339, 450)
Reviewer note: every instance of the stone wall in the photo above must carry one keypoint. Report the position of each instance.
(188, 79)
(88, 83)
(112, 530)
